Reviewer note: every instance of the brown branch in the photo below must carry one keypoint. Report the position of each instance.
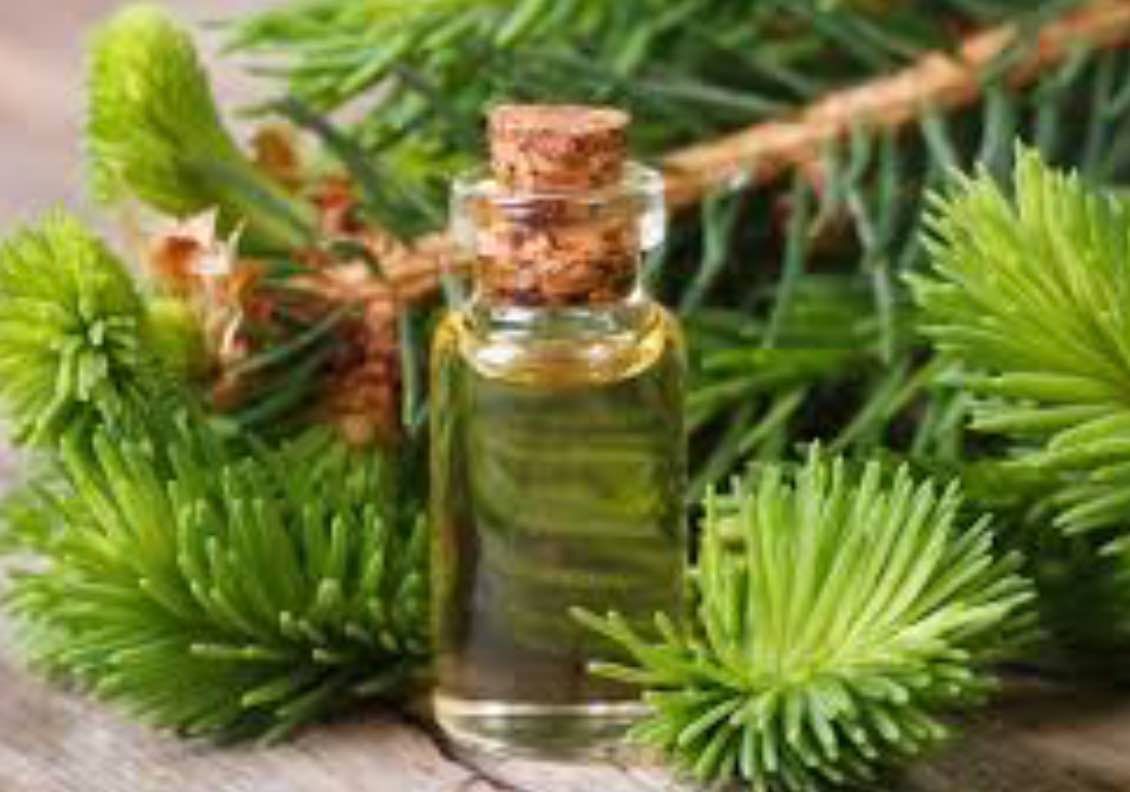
(943, 81)
(937, 80)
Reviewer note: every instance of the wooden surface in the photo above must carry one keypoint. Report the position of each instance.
(1038, 740)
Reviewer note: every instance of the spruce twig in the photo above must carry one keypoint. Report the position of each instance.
(215, 594)
(74, 334)
(938, 81)
(840, 618)
(1027, 297)
(154, 133)
(201, 586)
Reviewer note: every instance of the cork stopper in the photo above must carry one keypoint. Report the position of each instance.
(557, 225)
(558, 147)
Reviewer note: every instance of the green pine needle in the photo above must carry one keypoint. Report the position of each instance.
(1030, 294)
(839, 620)
(1028, 297)
(220, 596)
(154, 133)
(687, 70)
(202, 588)
(827, 335)
(71, 332)
(176, 337)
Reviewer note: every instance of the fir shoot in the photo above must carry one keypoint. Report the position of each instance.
(839, 620)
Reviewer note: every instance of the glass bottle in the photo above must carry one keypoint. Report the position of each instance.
(558, 446)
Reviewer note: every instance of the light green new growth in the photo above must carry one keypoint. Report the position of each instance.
(201, 588)
(71, 326)
(1031, 295)
(154, 133)
(838, 620)
(219, 596)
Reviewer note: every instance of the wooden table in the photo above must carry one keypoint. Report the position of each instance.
(1039, 738)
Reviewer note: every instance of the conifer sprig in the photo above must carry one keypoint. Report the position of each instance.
(72, 333)
(220, 596)
(839, 620)
(1027, 300)
(201, 586)
(154, 134)
(1029, 295)
(688, 71)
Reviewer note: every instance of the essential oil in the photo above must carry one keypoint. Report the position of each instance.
(558, 455)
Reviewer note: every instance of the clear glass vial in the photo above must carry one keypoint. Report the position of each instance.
(558, 459)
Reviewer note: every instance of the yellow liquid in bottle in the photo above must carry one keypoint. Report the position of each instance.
(558, 480)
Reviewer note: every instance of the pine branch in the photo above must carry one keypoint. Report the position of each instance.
(154, 133)
(202, 587)
(216, 595)
(1029, 296)
(73, 334)
(937, 81)
(687, 71)
(839, 621)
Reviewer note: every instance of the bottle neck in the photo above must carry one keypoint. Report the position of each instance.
(555, 284)
(563, 253)
(492, 317)
(580, 345)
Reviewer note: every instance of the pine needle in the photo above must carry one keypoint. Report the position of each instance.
(221, 599)
(201, 586)
(72, 333)
(1027, 297)
(840, 618)
(154, 133)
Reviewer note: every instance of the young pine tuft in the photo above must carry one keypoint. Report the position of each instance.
(838, 620)
(199, 585)
(154, 133)
(220, 596)
(71, 333)
(1028, 299)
